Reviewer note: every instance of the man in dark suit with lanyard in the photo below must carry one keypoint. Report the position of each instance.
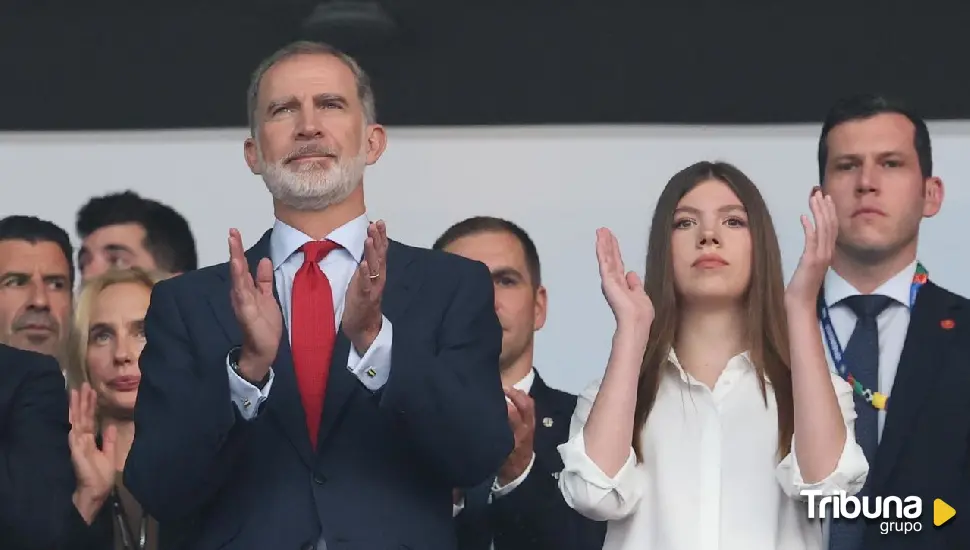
(902, 341)
(329, 387)
(522, 507)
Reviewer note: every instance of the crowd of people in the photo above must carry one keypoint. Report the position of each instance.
(330, 388)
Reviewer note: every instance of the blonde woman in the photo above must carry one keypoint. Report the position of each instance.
(103, 375)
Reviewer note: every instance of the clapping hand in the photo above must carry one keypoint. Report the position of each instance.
(256, 309)
(522, 420)
(817, 255)
(94, 468)
(623, 290)
(362, 318)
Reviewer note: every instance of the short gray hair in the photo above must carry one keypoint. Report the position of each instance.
(365, 92)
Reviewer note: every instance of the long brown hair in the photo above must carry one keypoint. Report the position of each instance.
(767, 326)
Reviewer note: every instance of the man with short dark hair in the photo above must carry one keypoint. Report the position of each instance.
(521, 508)
(36, 282)
(122, 230)
(903, 340)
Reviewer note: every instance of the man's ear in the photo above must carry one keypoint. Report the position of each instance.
(541, 305)
(932, 197)
(251, 152)
(376, 142)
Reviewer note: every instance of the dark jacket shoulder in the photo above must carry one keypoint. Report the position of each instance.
(948, 295)
(18, 362)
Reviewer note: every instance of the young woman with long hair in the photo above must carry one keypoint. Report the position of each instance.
(717, 408)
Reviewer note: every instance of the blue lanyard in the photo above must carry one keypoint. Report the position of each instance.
(835, 347)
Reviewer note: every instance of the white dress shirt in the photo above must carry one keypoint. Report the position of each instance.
(339, 266)
(710, 477)
(523, 385)
(893, 325)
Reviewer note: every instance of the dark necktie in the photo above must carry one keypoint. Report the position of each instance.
(313, 332)
(862, 361)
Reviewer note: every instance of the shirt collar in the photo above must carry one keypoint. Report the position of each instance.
(743, 357)
(285, 240)
(897, 288)
(525, 384)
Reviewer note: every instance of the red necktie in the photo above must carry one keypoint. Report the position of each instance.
(313, 331)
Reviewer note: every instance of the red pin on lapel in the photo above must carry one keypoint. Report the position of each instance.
(947, 324)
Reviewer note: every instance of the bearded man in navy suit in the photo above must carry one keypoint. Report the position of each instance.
(328, 387)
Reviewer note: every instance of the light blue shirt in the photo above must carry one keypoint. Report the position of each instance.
(339, 266)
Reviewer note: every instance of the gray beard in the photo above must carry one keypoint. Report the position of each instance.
(313, 189)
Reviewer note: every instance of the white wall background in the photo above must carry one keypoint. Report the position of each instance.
(560, 184)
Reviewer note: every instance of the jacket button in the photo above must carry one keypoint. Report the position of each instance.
(319, 478)
(308, 546)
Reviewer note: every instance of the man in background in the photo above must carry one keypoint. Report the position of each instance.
(904, 339)
(123, 230)
(36, 278)
(521, 508)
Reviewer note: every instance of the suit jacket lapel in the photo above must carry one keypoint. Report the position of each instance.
(538, 394)
(284, 403)
(548, 410)
(402, 281)
(919, 364)
(343, 384)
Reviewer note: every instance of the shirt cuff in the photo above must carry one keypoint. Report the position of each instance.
(374, 367)
(849, 474)
(852, 468)
(587, 489)
(502, 490)
(457, 508)
(247, 397)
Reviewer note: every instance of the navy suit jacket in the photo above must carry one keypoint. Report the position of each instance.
(36, 475)
(382, 474)
(534, 515)
(925, 445)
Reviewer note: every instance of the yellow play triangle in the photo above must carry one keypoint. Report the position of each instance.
(942, 512)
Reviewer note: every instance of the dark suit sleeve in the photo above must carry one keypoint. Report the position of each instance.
(957, 534)
(472, 531)
(447, 393)
(36, 475)
(187, 431)
(534, 515)
(97, 536)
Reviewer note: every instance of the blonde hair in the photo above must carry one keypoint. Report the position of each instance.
(77, 351)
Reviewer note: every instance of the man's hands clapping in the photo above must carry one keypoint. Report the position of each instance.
(362, 317)
(522, 419)
(257, 311)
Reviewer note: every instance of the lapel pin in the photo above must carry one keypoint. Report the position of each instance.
(547, 422)
(947, 324)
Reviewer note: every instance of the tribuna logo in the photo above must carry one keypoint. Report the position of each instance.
(895, 513)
